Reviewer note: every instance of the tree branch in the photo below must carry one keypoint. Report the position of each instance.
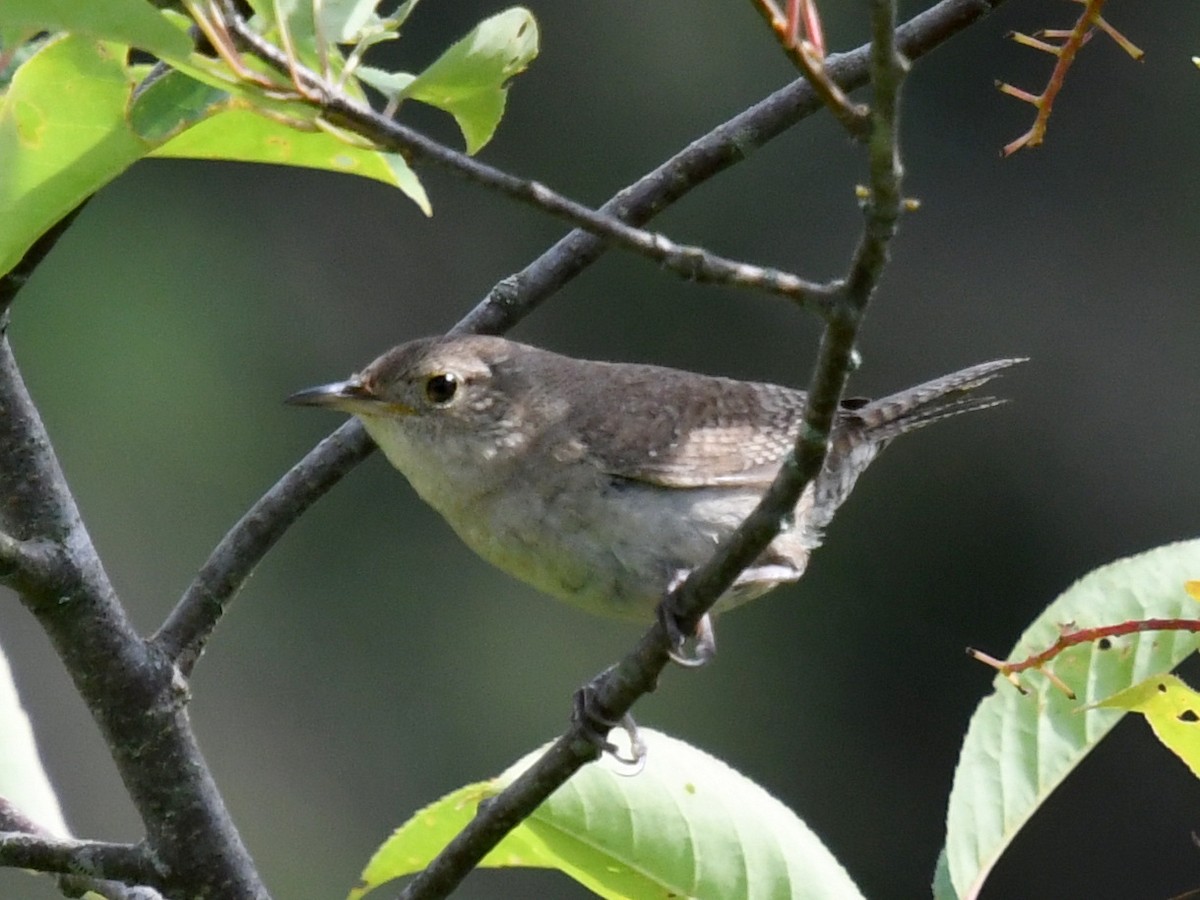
(732, 142)
(134, 691)
(133, 694)
(28, 565)
(26, 844)
(126, 863)
(809, 59)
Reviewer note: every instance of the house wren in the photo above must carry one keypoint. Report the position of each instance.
(603, 484)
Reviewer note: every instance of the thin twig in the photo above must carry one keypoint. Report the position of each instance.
(1072, 41)
(808, 57)
(519, 294)
(15, 822)
(693, 263)
(1071, 636)
(852, 116)
(185, 632)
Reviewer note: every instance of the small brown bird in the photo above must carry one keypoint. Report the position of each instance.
(602, 484)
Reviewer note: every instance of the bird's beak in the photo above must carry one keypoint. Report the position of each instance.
(350, 396)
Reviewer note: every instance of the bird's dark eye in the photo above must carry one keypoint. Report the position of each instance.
(441, 388)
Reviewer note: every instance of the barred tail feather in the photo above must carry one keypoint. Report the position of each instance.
(941, 398)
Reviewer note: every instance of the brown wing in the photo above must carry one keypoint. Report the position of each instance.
(682, 430)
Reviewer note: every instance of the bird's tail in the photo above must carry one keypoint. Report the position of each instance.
(883, 419)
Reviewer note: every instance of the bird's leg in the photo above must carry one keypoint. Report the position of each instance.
(704, 636)
(596, 725)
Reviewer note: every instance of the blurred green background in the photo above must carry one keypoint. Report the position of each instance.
(373, 663)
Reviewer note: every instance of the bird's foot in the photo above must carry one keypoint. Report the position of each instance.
(703, 638)
(596, 724)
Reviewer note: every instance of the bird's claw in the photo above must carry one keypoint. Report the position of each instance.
(595, 726)
(704, 638)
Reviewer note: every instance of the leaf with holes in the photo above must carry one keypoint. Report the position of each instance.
(1173, 711)
(1019, 748)
(470, 79)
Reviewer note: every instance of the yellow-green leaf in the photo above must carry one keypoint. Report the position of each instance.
(469, 80)
(62, 136)
(132, 22)
(172, 103)
(686, 825)
(1173, 711)
(239, 134)
(67, 129)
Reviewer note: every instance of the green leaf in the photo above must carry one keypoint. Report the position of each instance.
(62, 136)
(341, 20)
(347, 21)
(23, 781)
(172, 103)
(132, 22)
(686, 825)
(468, 80)
(67, 126)
(1173, 711)
(421, 838)
(390, 84)
(239, 134)
(17, 45)
(1019, 748)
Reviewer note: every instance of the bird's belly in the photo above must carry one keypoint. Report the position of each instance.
(613, 550)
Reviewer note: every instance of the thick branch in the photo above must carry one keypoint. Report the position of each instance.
(27, 566)
(132, 693)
